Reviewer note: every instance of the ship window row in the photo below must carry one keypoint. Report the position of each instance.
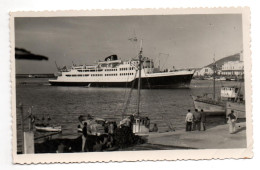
(229, 88)
(77, 75)
(126, 74)
(112, 69)
(86, 70)
(148, 67)
(110, 74)
(90, 70)
(124, 69)
(96, 75)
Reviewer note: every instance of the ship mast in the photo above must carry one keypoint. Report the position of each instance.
(214, 79)
(139, 77)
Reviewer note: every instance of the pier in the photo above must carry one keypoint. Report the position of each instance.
(214, 138)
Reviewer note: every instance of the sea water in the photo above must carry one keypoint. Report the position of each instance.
(166, 108)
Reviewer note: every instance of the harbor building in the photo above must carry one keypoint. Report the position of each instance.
(205, 71)
(233, 68)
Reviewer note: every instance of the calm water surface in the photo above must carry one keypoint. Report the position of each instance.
(65, 104)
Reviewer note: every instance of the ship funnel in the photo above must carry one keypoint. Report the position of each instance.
(111, 57)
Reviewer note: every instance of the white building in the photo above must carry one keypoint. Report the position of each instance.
(233, 68)
(205, 71)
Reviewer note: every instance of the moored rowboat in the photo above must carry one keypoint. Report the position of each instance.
(48, 128)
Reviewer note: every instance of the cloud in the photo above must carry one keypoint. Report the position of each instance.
(190, 40)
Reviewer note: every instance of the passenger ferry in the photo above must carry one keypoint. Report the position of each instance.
(113, 72)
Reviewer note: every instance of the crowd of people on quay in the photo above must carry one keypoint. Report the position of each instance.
(107, 134)
(97, 134)
(197, 121)
(103, 135)
(102, 132)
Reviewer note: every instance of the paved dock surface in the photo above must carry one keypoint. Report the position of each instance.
(214, 138)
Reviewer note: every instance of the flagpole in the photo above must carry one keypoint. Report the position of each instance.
(214, 72)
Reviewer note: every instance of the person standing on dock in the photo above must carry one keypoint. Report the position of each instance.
(189, 120)
(196, 120)
(232, 118)
(155, 128)
(84, 136)
(203, 119)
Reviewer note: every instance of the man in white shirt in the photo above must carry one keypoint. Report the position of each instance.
(188, 120)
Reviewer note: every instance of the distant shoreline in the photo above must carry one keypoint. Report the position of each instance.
(35, 75)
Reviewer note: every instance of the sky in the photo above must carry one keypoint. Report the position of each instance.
(182, 41)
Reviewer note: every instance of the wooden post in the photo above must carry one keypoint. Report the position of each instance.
(22, 125)
(30, 119)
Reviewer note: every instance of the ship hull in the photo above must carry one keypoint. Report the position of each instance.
(160, 82)
(210, 108)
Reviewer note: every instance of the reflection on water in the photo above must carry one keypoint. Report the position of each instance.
(65, 104)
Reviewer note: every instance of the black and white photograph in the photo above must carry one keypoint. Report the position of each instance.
(131, 83)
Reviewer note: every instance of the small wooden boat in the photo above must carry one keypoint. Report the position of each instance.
(48, 128)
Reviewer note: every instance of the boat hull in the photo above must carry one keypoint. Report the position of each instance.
(160, 82)
(48, 129)
(210, 108)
